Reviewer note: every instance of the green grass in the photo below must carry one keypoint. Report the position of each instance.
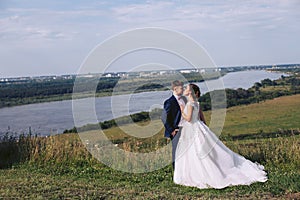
(107, 183)
(59, 167)
(269, 116)
(86, 178)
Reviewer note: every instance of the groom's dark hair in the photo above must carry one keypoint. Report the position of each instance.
(176, 83)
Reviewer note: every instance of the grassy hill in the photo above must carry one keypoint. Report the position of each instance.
(268, 116)
(59, 167)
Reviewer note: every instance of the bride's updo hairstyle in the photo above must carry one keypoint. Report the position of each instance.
(195, 91)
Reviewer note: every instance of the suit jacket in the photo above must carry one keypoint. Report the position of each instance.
(171, 115)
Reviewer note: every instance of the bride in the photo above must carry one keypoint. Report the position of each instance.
(202, 160)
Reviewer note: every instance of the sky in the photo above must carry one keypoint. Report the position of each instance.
(53, 37)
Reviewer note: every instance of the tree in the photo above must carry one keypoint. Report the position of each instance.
(267, 82)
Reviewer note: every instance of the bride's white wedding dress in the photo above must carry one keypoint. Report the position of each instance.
(203, 161)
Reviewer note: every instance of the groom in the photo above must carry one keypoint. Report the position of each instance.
(171, 116)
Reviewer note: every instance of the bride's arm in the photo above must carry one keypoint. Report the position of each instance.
(188, 116)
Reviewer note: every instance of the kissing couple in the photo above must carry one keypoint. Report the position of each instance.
(199, 158)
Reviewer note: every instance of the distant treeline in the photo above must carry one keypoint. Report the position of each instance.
(50, 87)
(292, 70)
(30, 92)
(36, 91)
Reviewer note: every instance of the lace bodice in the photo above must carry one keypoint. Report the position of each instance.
(195, 115)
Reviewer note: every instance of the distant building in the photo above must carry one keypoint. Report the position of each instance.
(188, 71)
(110, 75)
(122, 74)
(4, 80)
(145, 74)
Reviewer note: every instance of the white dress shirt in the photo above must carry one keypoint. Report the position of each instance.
(180, 102)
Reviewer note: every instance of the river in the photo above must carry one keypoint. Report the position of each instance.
(54, 117)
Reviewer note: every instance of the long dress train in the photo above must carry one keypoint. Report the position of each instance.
(203, 161)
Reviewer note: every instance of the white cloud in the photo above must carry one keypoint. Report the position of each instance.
(186, 16)
(140, 13)
(199, 15)
(226, 27)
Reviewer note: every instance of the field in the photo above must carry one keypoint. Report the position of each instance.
(269, 116)
(59, 167)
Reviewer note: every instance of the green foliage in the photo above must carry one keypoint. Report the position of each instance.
(242, 96)
(149, 86)
(9, 151)
(34, 88)
(137, 117)
(35, 91)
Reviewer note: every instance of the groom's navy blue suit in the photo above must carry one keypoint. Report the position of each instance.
(171, 117)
